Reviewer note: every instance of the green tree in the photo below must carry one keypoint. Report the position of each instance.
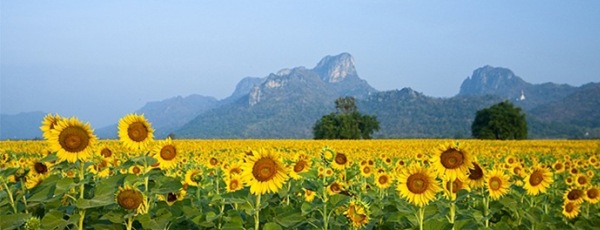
(502, 121)
(346, 123)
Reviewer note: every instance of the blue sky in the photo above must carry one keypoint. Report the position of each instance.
(99, 60)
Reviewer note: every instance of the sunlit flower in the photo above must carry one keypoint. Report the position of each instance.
(130, 198)
(165, 152)
(264, 172)
(135, 132)
(592, 195)
(193, 177)
(72, 140)
(497, 183)
(451, 162)
(570, 209)
(538, 180)
(357, 213)
(48, 124)
(418, 185)
(574, 195)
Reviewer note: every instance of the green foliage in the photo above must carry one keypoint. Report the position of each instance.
(502, 121)
(348, 123)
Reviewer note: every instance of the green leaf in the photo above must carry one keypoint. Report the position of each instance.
(107, 226)
(13, 221)
(271, 226)
(337, 199)
(54, 220)
(113, 217)
(289, 219)
(49, 158)
(109, 185)
(63, 185)
(437, 224)
(41, 194)
(165, 185)
(210, 216)
(95, 202)
(160, 221)
(309, 207)
(233, 226)
(5, 173)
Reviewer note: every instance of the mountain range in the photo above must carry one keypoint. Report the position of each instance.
(286, 104)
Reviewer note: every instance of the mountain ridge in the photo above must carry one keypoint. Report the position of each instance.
(286, 104)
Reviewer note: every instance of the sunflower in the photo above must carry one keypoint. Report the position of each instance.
(32, 181)
(106, 152)
(366, 171)
(233, 183)
(357, 213)
(327, 155)
(511, 160)
(301, 165)
(264, 172)
(574, 195)
(48, 124)
(593, 160)
(100, 170)
(309, 195)
(340, 161)
(582, 180)
(538, 180)
(173, 197)
(452, 162)
(135, 132)
(476, 177)
(335, 188)
(383, 180)
(212, 162)
(193, 177)
(130, 198)
(590, 173)
(592, 195)
(234, 168)
(497, 183)
(165, 152)
(457, 185)
(558, 167)
(136, 169)
(40, 168)
(417, 185)
(72, 140)
(570, 210)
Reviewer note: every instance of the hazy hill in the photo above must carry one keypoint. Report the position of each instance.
(286, 104)
(21, 126)
(168, 115)
(504, 83)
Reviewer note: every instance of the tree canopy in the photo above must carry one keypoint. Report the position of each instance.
(346, 123)
(502, 121)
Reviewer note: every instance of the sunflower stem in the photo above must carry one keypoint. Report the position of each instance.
(420, 217)
(257, 213)
(23, 187)
(81, 218)
(81, 192)
(198, 195)
(452, 205)
(130, 223)
(10, 197)
(486, 210)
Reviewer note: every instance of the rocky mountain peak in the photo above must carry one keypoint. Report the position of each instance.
(492, 80)
(334, 69)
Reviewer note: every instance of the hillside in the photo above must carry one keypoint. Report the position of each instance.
(287, 103)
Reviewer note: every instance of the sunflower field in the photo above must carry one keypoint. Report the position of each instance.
(72, 180)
